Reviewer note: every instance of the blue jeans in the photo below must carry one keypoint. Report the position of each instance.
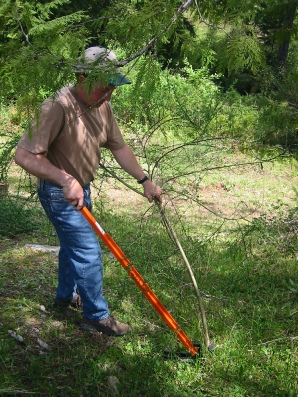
(80, 266)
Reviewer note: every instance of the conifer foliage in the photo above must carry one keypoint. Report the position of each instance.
(35, 50)
(40, 40)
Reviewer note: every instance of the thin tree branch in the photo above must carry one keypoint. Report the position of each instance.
(21, 27)
(189, 269)
(207, 23)
(184, 6)
(292, 338)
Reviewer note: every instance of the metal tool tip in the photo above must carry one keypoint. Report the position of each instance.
(211, 346)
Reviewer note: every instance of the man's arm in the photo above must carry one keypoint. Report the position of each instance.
(39, 166)
(128, 162)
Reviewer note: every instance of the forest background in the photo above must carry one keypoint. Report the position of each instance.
(212, 116)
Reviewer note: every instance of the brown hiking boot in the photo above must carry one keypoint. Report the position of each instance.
(108, 326)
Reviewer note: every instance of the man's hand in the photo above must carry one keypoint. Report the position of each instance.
(127, 160)
(74, 194)
(152, 191)
(39, 166)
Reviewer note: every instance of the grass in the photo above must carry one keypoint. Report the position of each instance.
(246, 270)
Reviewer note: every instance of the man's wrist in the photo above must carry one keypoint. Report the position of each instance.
(67, 180)
(141, 181)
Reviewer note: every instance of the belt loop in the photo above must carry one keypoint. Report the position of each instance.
(41, 183)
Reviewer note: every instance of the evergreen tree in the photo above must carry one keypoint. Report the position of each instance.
(40, 41)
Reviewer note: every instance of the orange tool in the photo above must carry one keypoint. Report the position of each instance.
(137, 278)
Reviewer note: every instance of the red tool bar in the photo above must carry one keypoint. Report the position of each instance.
(139, 281)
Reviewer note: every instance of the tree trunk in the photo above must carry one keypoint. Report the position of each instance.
(289, 18)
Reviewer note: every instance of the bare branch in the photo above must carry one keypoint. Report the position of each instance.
(190, 272)
(207, 23)
(179, 246)
(291, 338)
(21, 27)
(184, 6)
(139, 53)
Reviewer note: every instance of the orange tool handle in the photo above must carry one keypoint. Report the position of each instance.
(139, 281)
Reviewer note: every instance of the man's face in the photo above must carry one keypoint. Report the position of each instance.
(98, 94)
(101, 93)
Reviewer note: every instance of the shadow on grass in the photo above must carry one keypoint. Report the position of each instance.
(77, 363)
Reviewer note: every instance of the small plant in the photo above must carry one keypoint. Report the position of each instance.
(293, 287)
(6, 154)
(9, 138)
(17, 218)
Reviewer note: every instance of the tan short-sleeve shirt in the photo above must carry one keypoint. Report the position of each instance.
(70, 135)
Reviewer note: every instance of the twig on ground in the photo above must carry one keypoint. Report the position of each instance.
(189, 269)
(292, 338)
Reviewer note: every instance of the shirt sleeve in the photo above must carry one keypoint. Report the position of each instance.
(114, 137)
(45, 128)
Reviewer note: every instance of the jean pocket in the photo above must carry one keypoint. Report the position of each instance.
(56, 195)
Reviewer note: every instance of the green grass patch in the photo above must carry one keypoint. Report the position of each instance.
(246, 269)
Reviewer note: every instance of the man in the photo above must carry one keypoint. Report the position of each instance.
(64, 153)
